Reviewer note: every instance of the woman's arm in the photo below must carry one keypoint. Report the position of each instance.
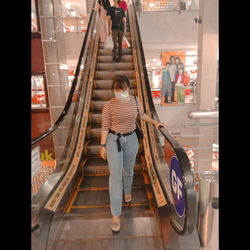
(146, 118)
(106, 118)
(104, 135)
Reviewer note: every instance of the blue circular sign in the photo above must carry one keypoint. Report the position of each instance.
(177, 186)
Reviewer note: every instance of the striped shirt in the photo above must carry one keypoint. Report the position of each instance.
(120, 115)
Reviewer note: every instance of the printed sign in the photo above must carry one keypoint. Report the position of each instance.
(177, 186)
(35, 160)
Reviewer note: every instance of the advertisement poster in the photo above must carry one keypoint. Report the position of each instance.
(175, 78)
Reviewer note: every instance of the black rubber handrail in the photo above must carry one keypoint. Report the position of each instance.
(72, 90)
(34, 227)
(180, 152)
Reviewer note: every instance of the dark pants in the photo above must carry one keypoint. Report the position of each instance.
(117, 36)
(173, 90)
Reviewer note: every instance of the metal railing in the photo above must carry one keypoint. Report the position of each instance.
(204, 114)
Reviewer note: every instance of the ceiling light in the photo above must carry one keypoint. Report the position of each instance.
(81, 22)
(68, 6)
(63, 66)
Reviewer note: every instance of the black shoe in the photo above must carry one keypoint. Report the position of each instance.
(114, 59)
(165, 101)
(118, 59)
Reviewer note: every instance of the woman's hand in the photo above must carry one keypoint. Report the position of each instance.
(160, 124)
(103, 153)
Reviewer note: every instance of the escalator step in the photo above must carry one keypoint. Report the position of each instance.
(94, 132)
(103, 182)
(109, 58)
(101, 198)
(95, 118)
(110, 75)
(127, 51)
(97, 105)
(104, 212)
(115, 66)
(99, 166)
(107, 84)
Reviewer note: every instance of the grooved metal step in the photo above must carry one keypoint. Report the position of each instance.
(107, 84)
(109, 58)
(114, 66)
(127, 51)
(97, 105)
(110, 75)
(99, 166)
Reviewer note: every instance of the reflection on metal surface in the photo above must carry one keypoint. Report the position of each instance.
(203, 114)
(208, 189)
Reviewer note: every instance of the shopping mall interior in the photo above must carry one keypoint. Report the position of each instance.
(175, 193)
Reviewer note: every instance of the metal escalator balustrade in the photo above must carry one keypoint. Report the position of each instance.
(186, 223)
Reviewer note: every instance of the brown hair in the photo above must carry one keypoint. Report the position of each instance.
(121, 82)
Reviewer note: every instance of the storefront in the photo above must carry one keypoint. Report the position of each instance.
(185, 65)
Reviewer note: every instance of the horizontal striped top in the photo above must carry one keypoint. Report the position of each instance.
(120, 115)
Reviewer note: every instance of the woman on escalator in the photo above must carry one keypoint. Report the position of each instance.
(119, 143)
(103, 6)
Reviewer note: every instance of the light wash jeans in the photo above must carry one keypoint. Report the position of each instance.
(121, 168)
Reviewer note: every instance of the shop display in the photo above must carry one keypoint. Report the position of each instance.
(34, 27)
(179, 72)
(38, 96)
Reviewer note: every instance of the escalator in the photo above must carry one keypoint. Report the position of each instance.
(75, 213)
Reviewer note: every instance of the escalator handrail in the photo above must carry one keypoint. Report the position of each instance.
(66, 108)
(180, 152)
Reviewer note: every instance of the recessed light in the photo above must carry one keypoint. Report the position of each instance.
(68, 5)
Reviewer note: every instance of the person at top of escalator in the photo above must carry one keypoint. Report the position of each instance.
(117, 19)
(102, 5)
(119, 143)
(123, 5)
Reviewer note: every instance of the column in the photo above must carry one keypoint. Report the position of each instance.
(206, 79)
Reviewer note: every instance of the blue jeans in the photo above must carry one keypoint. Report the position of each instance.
(121, 168)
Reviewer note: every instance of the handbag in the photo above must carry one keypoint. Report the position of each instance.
(138, 130)
(109, 43)
(125, 43)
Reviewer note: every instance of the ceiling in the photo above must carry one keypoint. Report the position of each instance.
(77, 6)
